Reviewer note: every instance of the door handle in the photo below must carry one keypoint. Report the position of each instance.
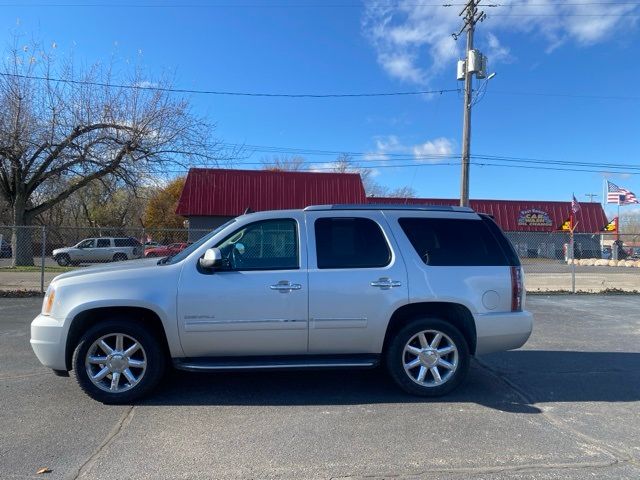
(284, 286)
(385, 283)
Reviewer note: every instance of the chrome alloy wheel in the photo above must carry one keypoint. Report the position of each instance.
(116, 362)
(430, 358)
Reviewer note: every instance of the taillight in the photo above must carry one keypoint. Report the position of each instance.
(517, 289)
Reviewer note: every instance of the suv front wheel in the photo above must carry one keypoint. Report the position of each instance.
(428, 357)
(117, 362)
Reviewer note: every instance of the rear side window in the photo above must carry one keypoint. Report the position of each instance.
(453, 242)
(350, 243)
(503, 241)
(104, 243)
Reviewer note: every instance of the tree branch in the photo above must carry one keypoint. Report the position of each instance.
(77, 186)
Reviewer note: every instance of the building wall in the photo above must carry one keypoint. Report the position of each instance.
(199, 226)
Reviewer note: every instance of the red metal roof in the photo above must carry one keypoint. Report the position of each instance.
(229, 192)
(507, 213)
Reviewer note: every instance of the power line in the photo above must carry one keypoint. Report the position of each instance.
(356, 168)
(307, 95)
(567, 95)
(301, 5)
(559, 169)
(218, 92)
(395, 157)
(567, 14)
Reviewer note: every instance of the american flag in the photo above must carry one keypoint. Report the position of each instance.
(575, 206)
(621, 196)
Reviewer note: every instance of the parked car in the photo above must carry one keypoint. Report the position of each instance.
(5, 249)
(165, 251)
(103, 249)
(417, 289)
(148, 245)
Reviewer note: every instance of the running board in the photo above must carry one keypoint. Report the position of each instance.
(213, 364)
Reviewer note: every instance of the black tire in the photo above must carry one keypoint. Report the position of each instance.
(120, 257)
(63, 260)
(155, 361)
(396, 357)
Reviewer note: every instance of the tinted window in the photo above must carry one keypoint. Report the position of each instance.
(503, 241)
(452, 242)
(350, 243)
(126, 242)
(104, 243)
(266, 245)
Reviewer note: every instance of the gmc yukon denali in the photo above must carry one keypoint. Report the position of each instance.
(416, 289)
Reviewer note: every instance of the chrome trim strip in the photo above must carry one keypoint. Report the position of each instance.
(331, 323)
(233, 322)
(264, 366)
(244, 325)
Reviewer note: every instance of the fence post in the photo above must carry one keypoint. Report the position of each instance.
(44, 251)
(573, 263)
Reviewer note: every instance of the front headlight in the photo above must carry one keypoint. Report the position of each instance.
(49, 298)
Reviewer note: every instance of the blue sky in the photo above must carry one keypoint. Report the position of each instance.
(348, 46)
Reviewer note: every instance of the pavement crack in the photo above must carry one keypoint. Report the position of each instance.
(122, 422)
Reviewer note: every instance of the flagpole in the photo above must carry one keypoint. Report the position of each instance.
(603, 238)
(618, 229)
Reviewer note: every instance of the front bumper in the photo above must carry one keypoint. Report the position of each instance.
(497, 332)
(47, 341)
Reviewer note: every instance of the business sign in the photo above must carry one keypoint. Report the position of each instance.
(534, 218)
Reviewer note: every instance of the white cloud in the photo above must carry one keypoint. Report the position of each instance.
(497, 52)
(440, 147)
(413, 41)
(435, 150)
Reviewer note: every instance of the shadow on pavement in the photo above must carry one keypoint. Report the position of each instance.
(541, 376)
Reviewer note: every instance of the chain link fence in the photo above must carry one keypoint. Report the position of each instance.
(599, 262)
(30, 257)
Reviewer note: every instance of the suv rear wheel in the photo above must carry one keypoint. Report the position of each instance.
(119, 257)
(117, 362)
(428, 357)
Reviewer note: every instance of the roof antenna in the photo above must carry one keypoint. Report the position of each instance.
(248, 210)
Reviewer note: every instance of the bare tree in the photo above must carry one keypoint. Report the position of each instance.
(344, 164)
(62, 128)
(292, 163)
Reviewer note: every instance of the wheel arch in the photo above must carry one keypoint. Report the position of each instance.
(456, 314)
(86, 319)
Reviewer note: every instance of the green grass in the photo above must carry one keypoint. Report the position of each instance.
(51, 269)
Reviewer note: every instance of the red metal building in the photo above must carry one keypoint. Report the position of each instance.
(213, 196)
(523, 215)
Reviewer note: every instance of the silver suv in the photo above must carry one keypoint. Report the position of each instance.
(419, 290)
(103, 249)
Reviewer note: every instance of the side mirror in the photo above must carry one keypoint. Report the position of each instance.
(212, 258)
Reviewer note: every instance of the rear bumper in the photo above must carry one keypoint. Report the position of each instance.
(47, 342)
(497, 332)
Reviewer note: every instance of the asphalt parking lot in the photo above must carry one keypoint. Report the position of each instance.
(565, 406)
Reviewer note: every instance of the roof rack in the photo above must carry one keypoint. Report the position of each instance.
(388, 206)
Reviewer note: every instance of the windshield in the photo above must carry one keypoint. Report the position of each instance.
(178, 257)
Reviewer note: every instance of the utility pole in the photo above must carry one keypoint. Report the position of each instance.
(591, 196)
(474, 62)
